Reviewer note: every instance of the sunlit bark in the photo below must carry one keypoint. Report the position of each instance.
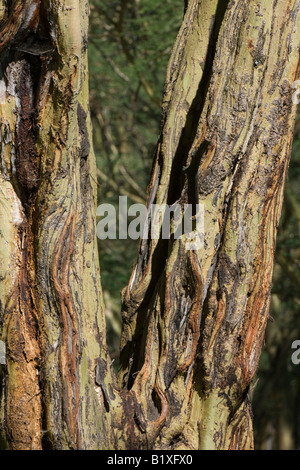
(200, 316)
(51, 304)
(194, 320)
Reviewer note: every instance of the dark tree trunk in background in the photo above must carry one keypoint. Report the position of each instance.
(194, 320)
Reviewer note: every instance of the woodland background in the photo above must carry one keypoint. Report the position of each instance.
(129, 46)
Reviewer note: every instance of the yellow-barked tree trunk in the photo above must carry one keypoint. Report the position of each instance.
(193, 319)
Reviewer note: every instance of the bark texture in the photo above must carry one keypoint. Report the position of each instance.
(51, 303)
(194, 320)
(199, 316)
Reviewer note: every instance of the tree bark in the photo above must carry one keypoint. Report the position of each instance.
(194, 320)
(52, 317)
(200, 316)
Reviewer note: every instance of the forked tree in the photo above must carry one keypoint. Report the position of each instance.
(193, 319)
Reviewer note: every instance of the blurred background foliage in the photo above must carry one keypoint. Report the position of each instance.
(129, 46)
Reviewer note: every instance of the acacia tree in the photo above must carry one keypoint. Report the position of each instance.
(193, 320)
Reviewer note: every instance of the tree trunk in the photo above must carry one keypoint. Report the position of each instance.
(52, 318)
(194, 320)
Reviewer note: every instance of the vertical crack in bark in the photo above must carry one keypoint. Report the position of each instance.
(27, 164)
(68, 346)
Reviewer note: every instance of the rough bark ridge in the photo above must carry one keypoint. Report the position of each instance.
(194, 320)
